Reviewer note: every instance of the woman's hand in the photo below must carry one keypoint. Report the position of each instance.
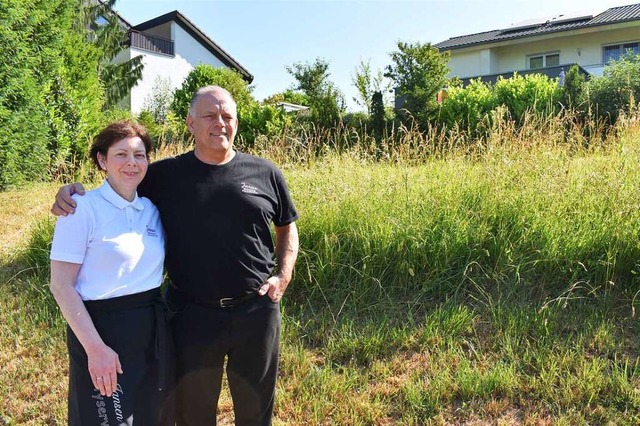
(104, 367)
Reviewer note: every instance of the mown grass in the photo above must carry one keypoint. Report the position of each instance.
(491, 284)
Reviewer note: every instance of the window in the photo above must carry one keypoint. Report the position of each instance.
(536, 62)
(615, 51)
(542, 61)
(552, 60)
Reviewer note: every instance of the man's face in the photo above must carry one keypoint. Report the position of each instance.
(213, 124)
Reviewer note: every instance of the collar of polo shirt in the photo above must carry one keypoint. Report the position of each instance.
(112, 196)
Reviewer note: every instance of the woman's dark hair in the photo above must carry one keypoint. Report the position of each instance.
(115, 132)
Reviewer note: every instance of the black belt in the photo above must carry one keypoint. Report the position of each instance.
(225, 302)
(147, 298)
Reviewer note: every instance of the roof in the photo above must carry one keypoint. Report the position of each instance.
(198, 35)
(614, 15)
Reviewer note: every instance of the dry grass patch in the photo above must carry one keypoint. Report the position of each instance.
(19, 209)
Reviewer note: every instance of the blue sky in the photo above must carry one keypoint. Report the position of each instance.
(267, 35)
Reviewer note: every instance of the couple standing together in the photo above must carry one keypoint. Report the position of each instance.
(128, 363)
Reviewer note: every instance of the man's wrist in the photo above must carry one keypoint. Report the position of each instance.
(283, 276)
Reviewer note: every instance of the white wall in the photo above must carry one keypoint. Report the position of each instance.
(191, 51)
(464, 63)
(123, 56)
(488, 61)
(188, 54)
(172, 69)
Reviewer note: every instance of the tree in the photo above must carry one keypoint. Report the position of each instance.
(377, 114)
(418, 71)
(368, 84)
(206, 75)
(110, 37)
(325, 99)
(50, 96)
(572, 88)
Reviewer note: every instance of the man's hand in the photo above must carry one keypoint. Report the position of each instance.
(64, 203)
(287, 245)
(275, 287)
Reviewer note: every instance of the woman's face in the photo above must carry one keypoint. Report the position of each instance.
(126, 164)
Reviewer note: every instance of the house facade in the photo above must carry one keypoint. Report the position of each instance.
(548, 45)
(170, 46)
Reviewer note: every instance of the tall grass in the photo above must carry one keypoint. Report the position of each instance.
(440, 280)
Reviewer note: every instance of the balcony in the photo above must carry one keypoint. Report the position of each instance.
(551, 72)
(151, 43)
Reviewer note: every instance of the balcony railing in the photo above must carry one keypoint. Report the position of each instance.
(151, 43)
(551, 72)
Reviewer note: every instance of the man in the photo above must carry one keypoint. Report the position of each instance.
(217, 206)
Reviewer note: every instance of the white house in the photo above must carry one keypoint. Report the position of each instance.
(548, 45)
(171, 46)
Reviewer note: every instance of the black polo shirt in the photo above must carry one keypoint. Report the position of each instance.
(218, 220)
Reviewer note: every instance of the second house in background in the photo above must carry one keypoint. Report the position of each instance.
(546, 45)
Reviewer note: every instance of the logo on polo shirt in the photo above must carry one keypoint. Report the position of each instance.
(151, 232)
(248, 189)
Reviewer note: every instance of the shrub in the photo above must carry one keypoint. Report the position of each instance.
(532, 93)
(267, 120)
(358, 121)
(468, 108)
(206, 75)
(158, 102)
(377, 116)
(572, 91)
(617, 90)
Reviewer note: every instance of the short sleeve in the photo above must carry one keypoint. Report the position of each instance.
(72, 234)
(286, 211)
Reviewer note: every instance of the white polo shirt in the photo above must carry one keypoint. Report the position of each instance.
(120, 244)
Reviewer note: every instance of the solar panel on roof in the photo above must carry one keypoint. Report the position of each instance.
(529, 23)
(571, 17)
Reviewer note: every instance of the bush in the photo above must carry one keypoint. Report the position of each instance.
(377, 116)
(206, 75)
(572, 91)
(358, 121)
(617, 90)
(171, 130)
(534, 93)
(267, 120)
(468, 108)
(158, 102)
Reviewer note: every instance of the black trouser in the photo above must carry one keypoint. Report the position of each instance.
(136, 328)
(248, 335)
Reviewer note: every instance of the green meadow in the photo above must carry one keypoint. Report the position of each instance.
(493, 284)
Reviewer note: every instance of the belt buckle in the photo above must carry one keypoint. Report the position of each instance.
(224, 302)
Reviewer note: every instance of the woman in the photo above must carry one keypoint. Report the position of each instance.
(106, 271)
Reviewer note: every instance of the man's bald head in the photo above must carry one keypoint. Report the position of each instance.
(218, 92)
